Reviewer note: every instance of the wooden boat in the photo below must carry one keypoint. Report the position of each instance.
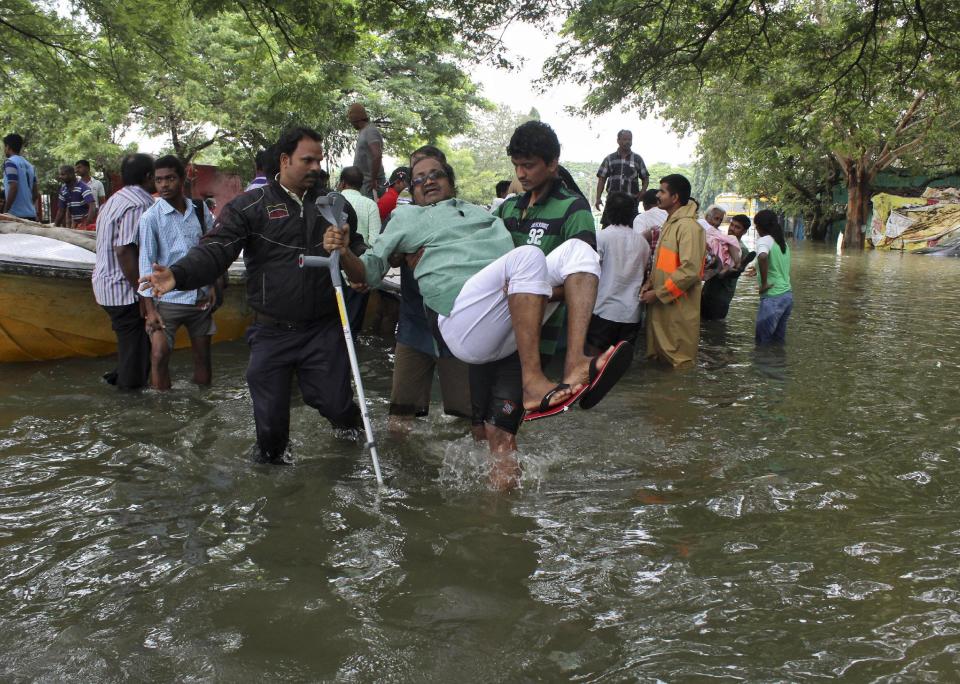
(47, 308)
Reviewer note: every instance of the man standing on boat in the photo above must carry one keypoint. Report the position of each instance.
(116, 271)
(19, 180)
(296, 328)
(168, 230)
(76, 206)
(369, 153)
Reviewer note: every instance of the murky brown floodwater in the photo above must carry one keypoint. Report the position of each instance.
(782, 516)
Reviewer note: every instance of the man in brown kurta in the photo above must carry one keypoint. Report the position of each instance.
(672, 293)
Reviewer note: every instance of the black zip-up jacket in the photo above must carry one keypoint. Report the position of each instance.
(272, 230)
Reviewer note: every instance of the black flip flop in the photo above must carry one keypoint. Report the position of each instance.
(602, 381)
(546, 410)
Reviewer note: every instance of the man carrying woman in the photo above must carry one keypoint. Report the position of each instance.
(487, 299)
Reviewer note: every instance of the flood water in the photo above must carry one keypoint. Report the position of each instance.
(778, 516)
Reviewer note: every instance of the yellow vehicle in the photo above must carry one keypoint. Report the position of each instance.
(735, 204)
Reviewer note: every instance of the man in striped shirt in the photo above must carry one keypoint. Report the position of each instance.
(117, 270)
(168, 230)
(76, 204)
(19, 180)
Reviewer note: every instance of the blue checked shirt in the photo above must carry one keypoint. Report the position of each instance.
(166, 236)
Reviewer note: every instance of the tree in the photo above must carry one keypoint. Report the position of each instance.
(215, 75)
(480, 155)
(870, 85)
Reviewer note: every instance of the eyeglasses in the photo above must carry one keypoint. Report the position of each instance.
(436, 174)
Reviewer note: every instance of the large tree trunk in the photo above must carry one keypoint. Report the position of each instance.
(859, 181)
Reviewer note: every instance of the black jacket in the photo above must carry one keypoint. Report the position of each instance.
(269, 226)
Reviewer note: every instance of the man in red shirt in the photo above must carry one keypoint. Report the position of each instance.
(399, 180)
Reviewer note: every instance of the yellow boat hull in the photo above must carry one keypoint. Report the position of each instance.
(51, 314)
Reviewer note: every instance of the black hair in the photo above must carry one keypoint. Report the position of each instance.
(534, 139)
(83, 162)
(624, 130)
(171, 161)
(767, 224)
(271, 162)
(620, 210)
(431, 151)
(567, 179)
(649, 198)
(14, 141)
(136, 168)
(290, 137)
(68, 168)
(679, 186)
(323, 180)
(742, 219)
(352, 177)
(502, 188)
(259, 160)
(401, 172)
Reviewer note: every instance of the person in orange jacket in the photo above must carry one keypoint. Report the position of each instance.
(672, 293)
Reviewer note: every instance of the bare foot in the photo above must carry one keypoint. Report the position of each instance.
(578, 371)
(479, 433)
(505, 472)
(535, 391)
(399, 426)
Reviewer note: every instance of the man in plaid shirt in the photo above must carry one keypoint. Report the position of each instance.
(622, 171)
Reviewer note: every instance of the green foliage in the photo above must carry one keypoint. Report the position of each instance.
(785, 95)
(219, 79)
(480, 156)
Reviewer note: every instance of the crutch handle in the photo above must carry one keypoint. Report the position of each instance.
(332, 262)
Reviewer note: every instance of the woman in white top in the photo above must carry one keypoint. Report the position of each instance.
(624, 255)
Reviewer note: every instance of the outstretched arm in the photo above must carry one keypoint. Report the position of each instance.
(218, 249)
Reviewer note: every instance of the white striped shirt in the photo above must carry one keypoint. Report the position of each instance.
(117, 225)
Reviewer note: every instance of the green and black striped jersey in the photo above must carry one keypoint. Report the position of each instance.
(554, 218)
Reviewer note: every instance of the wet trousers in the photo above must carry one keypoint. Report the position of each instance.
(133, 345)
(772, 318)
(316, 353)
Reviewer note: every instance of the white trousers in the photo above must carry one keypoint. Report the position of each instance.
(479, 329)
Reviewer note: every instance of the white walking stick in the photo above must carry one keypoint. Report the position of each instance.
(331, 208)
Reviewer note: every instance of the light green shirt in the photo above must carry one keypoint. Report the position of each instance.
(778, 267)
(459, 239)
(368, 216)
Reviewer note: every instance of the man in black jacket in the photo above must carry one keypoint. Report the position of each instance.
(296, 326)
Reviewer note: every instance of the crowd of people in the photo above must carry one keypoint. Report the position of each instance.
(489, 296)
